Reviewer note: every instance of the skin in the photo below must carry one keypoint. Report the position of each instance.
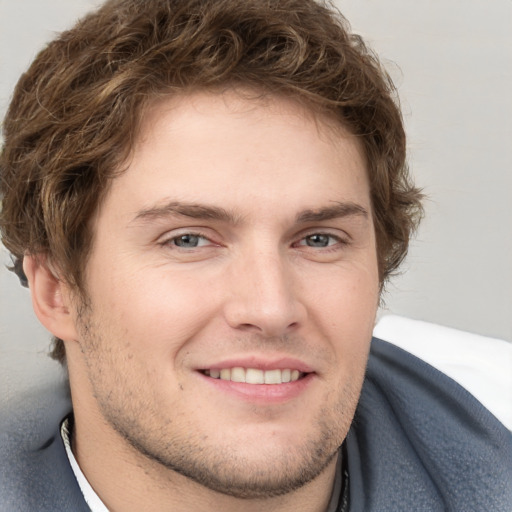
(241, 233)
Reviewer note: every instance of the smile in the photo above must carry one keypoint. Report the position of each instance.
(255, 375)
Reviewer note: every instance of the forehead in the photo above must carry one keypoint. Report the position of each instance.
(237, 146)
(237, 102)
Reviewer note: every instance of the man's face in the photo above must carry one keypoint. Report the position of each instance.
(238, 246)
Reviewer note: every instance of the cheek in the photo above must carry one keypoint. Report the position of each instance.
(155, 311)
(347, 294)
(344, 308)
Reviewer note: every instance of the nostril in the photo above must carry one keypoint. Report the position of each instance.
(250, 328)
(254, 315)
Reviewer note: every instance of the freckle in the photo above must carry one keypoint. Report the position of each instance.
(181, 387)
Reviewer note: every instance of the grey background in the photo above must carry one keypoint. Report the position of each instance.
(452, 62)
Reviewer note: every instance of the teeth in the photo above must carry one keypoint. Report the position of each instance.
(286, 376)
(238, 375)
(273, 377)
(254, 375)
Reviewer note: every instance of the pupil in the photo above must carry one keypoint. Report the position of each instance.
(187, 241)
(318, 240)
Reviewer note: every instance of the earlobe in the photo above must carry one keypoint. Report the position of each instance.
(50, 297)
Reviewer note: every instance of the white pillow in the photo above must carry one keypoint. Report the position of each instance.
(481, 365)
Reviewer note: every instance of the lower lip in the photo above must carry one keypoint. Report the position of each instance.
(264, 393)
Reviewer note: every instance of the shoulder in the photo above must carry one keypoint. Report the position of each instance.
(481, 365)
(34, 471)
(421, 441)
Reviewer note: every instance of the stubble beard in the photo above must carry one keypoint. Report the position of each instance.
(226, 473)
(220, 469)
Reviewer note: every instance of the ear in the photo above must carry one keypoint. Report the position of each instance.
(51, 298)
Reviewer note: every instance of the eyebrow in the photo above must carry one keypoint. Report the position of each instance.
(200, 211)
(340, 209)
(190, 210)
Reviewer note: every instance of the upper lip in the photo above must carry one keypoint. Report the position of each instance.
(260, 363)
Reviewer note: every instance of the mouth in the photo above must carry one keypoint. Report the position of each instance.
(255, 375)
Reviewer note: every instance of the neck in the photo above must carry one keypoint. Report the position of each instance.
(127, 481)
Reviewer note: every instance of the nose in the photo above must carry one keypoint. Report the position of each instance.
(264, 295)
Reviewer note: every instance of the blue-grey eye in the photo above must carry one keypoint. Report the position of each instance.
(318, 240)
(188, 241)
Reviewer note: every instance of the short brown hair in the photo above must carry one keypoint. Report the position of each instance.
(75, 112)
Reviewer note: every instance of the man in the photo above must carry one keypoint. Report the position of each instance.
(206, 198)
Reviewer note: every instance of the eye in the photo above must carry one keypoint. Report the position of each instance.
(189, 241)
(319, 240)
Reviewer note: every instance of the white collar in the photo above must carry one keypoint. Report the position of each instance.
(91, 498)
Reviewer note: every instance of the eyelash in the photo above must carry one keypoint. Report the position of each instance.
(338, 241)
(172, 240)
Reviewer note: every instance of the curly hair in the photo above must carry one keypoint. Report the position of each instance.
(75, 113)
